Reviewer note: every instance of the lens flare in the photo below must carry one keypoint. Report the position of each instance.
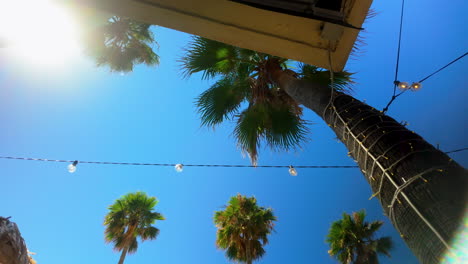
(38, 32)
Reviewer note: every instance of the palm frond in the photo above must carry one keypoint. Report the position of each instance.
(250, 130)
(209, 57)
(122, 43)
(222, 100)
(384, 245)
(285, 130)
(342, 81)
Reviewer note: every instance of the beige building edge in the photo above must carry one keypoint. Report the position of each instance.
(298, 38)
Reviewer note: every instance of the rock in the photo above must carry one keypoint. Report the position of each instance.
(12, 246)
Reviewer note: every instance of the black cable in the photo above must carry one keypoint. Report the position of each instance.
(456, 150)
(201, 165)
(187, 165)
(395, 83)
(427, 77)
(399, 45)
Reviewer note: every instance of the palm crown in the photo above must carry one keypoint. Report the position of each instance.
(244, 91)
(352, 240)
(121, 43)
(243, 229)
(130, 217)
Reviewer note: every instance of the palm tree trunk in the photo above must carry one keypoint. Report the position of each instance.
(422, 190)
(123, 255)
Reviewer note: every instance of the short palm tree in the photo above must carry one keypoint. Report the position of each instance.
(120, 43)
(129, 218)
(243, 229)
(243, 92)
(352, 240)
(421, 189)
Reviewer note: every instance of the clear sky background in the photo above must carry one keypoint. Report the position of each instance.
(85, 113)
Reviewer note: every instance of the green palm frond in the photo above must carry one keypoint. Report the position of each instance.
(342, 81)
(279, 126)
(132, 248)
(285, 130)
(384, 245)
(250, 129)
(122, 43)
(371, 228)
(209, 57)
(222, 100)
(148, 233)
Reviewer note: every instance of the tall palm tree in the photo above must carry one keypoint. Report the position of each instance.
(129, 218)
(352, 240)
(120, 43)
(243, 229)
(421, 189)
(243, 92)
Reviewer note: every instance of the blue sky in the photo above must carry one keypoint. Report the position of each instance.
(86, 113)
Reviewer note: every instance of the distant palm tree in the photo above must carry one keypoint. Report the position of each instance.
(243, 229)
(243, 92)
(352, 240)
(121, 43)
(129, 218)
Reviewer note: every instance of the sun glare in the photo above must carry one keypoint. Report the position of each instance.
(38, 32)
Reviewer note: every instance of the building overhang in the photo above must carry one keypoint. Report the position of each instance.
(302, 30)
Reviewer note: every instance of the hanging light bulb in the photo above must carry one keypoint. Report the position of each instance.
(72, 167)
(416, 86)
(292, 171)
(402, 85)
(179, 167)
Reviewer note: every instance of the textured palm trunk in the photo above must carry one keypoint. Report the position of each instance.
(123, 255)
(422, 190)
(12, 247)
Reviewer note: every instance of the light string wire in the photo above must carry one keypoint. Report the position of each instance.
(448, 64)
(185, 165)
(395, 96)
(198, 165)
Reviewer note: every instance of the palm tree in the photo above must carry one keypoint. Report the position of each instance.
(269, 115)
(129, 218)
(421, 189)
(243, 229)
(352, 240)
(120, 43)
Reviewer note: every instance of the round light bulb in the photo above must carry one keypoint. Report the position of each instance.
(403, 85)
(416, 86)
(179, 167)
(72, 167)
(292, 171)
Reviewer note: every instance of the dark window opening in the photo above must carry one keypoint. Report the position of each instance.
(323, 10)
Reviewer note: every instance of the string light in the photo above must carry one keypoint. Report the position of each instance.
(72, 167)
(402, 85)
(292, 171)
(416, 86)
(179, 167)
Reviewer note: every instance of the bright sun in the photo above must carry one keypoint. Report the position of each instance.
(38, 32)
